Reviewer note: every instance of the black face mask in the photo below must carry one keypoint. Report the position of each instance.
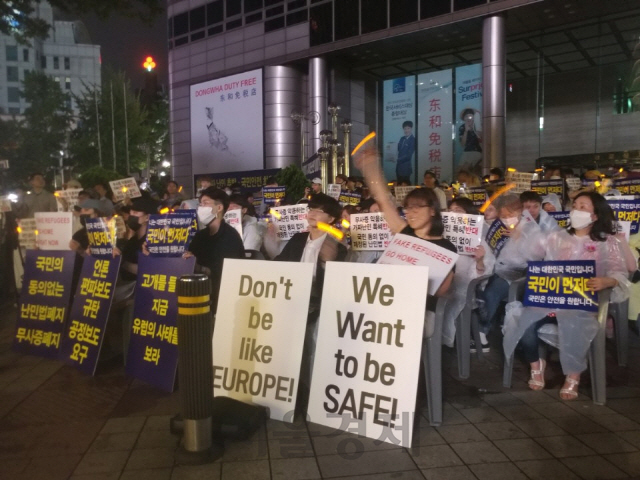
(83, 219)
(133, 223)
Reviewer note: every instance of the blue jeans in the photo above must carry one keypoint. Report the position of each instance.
(496, 291)
(530, 340)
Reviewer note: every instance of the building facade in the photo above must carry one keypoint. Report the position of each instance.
(67, 55)
(557, 79)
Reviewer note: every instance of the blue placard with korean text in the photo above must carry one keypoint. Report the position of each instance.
(273, 195)
(545, 187)
(102, 236)
(169, 235)
(562, 218)
(561, 284)
(496, 236)
(44, 302)
(84, 334)
(626, 210)
(349, 198)
(153, 348)
(478, 195)
(627, 186)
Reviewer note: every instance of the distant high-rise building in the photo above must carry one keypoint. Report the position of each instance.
(67, 55)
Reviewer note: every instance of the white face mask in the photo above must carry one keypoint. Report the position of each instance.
(510, 222)
(580, 219)
(555, 177)
(205, 215)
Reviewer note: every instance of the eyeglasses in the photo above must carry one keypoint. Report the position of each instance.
(413, 208)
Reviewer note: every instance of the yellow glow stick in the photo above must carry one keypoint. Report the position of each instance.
(275, 213)
(364, 140)
(124, 189)
(164, 210)
(511, 169)
(345, 223)
(19, 229)
(334, 232)
(500, 191)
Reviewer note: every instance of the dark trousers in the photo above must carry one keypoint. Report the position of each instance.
(496, 291)
(530, 340)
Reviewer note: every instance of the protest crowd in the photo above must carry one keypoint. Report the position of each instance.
(565, 237)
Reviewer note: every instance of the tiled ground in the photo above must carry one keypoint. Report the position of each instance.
(56, 424)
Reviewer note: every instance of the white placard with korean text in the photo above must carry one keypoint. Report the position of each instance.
(333, 190)
(257, 348)
(234, 219)
(27, 233)
(408, 250)
(464, 231)
(522, 181)
(125, 187)
(367, 357)
(401, 192)
(67, 199)
(289, 220)
(369, 231)
(53, 230)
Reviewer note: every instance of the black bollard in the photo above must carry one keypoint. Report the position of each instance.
(195, 371)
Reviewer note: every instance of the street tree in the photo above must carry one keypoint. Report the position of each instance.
(17, 16)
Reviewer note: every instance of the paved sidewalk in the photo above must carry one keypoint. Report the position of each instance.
(56, 423)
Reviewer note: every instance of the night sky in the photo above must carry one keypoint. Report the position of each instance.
(126, 42)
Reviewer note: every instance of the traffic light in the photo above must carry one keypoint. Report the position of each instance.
(149, 64)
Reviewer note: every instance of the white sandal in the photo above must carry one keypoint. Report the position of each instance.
(534, 384)
(572, 390)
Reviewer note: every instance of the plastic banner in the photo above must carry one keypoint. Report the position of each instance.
(44, 300)
(258, 340)
(464, 231)
(169, 235)
(369, 231)
(495, 237)
(545, 187)
(84, 334)
(102, 233)
(289, 220)
(561, 285)
(367, 356)
(153, 348)
(273, 195)
(408, 250)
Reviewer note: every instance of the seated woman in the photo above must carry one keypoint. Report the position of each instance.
(467, 268)
(422, 210)
(591, 237)
(511, 260)
(252, 231)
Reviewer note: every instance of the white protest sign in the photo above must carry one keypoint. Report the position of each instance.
(369, 231)
(367, 356)
(289, 220)
(67, 199)
(574, 183)
(401, 192)
(333, 190)
(464, 231)
(259, 334)
(53, 230)
(408, 250)
(234, 219)
(624, 228)
(521, 179)
(5, 204)
(27, 232)
(125, 187)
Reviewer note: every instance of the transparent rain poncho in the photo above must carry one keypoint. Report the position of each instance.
(576, 328)
(511, 262)
(465, 272)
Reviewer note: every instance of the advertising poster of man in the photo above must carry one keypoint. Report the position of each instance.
(434, 128)
(399, 136)
(221, 111)
(468, 152)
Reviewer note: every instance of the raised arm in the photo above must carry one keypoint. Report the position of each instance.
(369, 164)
